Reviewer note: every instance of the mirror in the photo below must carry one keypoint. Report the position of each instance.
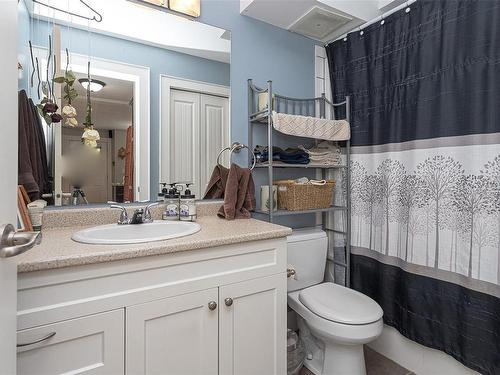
(159, 101)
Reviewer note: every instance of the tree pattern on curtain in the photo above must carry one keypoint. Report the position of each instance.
(433, 213)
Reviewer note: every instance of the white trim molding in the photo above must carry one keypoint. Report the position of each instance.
(167, 83)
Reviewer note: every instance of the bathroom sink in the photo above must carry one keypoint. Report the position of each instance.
(114, 234)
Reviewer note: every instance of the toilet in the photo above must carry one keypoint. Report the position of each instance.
(334, 321)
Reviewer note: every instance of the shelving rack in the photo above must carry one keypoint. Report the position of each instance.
(316, 107)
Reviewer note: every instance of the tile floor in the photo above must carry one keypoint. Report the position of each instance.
(376, 364)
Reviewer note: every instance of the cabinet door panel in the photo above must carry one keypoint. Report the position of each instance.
(89, 345)
(177, 335)
(252, 334)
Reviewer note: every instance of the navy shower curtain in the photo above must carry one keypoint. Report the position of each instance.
(425, 172)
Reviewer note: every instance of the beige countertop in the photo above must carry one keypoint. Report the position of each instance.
(58, 250)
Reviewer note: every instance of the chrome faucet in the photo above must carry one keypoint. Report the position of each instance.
(123, 216)
(140, 216)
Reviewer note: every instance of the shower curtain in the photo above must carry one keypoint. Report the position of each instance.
(425, 172)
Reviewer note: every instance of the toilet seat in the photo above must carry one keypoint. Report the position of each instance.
(339, 304)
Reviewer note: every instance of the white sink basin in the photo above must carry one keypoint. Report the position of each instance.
(114, 234)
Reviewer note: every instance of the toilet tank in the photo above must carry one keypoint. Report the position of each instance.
(307, 249)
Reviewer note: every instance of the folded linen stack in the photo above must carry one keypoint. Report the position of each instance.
(325, 153)
(289, 155)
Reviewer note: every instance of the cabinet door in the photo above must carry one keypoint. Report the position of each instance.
(252, 327)
(89, 345)
(176, 335)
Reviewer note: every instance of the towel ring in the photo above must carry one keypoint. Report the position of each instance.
(236, 147)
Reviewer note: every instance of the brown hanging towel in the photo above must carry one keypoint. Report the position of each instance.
(239, 195)
(217, 184)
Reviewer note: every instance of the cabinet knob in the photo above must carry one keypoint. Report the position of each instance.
(228, 301)
(212, 305)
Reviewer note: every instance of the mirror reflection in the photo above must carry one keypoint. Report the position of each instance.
(116, 111)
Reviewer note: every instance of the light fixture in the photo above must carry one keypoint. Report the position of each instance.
(188, 7)
(95, 84)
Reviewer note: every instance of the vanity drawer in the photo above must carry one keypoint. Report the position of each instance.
(89, 345)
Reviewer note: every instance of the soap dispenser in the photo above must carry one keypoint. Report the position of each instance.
(187, 208)
(171, 204)
(163, 192)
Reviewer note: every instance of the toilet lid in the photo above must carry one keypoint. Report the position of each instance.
(340, 304)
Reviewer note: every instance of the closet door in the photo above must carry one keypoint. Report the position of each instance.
(184, 145)
(214, 136)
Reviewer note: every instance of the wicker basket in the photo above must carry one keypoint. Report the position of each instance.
(298, 197)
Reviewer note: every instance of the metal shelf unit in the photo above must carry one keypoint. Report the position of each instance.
(317, 107)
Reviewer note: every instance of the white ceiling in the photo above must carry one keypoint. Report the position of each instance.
(286, 13)
(132, 21)
(110, 106)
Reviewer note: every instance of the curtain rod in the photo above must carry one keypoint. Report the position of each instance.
(406, 4)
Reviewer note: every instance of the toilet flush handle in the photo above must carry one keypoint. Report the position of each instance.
(291, 273)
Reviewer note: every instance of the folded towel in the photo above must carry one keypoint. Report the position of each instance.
(217, 184)
(290, 155)
(325, 153)
(311, 127)
(239, 196)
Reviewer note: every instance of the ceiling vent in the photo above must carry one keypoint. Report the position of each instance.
(318, 23)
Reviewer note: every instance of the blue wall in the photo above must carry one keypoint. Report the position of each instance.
(258, 50)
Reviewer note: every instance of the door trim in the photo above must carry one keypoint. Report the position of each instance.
(167, 83)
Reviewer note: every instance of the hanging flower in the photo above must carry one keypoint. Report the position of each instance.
(69, 92)
(90, 137)
(71, 121)
(56, 117)
(47, 109)
(50, 107)
(69, 111)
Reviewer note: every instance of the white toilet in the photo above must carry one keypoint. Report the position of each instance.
(334, 321)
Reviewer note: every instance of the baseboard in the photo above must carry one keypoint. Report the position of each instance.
(415, 357)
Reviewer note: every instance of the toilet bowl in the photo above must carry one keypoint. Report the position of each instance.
(334, 321)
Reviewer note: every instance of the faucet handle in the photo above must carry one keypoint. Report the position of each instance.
(147, 212)
(123, 216)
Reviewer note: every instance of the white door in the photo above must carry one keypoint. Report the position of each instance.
(252, 330)
(214, 136)
(199, 129)
(176, 335)
(8, 182)
(93, 344)
(183, 155)
(95, 171)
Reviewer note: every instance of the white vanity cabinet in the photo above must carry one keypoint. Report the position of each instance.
(219, 310)
(88, 345)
